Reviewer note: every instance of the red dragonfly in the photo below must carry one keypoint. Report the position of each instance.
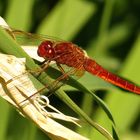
(69, 54)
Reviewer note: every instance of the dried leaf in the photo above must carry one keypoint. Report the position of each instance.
(16, 86)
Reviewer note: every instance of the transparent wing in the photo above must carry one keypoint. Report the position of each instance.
(62, 76)
(28, 39)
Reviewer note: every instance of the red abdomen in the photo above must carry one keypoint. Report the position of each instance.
(92, 67)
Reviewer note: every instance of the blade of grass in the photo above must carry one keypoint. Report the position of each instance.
(4, 119)
(22, 18)
(71, 104)
(76, 84)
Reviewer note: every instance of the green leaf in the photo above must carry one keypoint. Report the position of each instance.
(65, 19)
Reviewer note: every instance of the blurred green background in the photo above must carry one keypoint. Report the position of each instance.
(109, 31)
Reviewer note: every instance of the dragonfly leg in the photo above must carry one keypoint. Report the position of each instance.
(62, 70)
(37, 72)
(44, 67)
(65, 76)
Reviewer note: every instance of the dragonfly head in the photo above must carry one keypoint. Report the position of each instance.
(46, 50)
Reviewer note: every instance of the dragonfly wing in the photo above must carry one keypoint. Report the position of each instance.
(28, 39)
(64, 77)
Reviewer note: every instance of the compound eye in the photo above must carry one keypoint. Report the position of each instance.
(46, 49)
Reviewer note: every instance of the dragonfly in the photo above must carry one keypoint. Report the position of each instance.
(65, 53)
